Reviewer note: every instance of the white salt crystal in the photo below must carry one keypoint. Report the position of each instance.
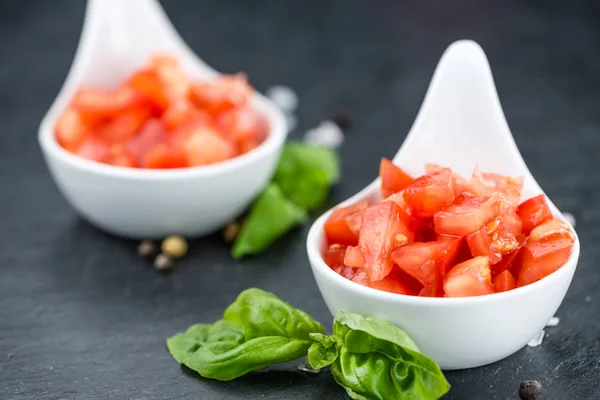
(553, 322)
(292, 122)
(588, 299)
(284, 97)
(570, 218)
(537, 339)
(327, 134)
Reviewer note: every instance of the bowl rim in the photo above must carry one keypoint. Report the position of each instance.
(318, 266)
(277, 135)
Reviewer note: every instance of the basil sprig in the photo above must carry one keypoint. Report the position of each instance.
(369, 357)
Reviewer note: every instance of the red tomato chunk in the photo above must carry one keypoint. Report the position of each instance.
(440, 235)
(201, 122)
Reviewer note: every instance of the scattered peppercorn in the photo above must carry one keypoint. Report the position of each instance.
(164, 262)
(174, 246)
(231, 231)
(342, 117)
(530, 390)
(147, 249)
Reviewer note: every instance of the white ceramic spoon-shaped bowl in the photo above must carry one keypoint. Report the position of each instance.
(117, 38)
(460, 123)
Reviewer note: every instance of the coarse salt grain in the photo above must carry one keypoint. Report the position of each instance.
(588, 299)
(327, 134)
(570, 218)
(553, 322)
(284, 97)
(537, 339)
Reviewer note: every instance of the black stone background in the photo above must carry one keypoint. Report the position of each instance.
(81, 317)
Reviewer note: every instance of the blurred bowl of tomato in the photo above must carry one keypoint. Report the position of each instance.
(148, 151)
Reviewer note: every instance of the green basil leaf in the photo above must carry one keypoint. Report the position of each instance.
(306, 172)
(183, 344)
(225, 361)
(323, 352)
(377, 360)
(262, 313)
(271, 216)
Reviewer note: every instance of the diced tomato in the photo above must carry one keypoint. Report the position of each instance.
(354, 257)
(222, 94)
(484, 184)
(174, 82)
(433, 290)
(533, 212)
(120, 157)
(511, 223)
(547, 249)
(393, 179)
(422, 261)
(461, 185)
(125, 125)
(493, 241)
(204, 145)
(354, 222)
(423, 228)
(147, 84)
(337, 230)
(430, 193)
(510, 259)
(398, 198)
(334, 255)
(243, 126)
(391, 283)
(504, 281)
(71, 130)
(469, 278)
(94, 149)
(382, 226)
(450, 247)
(181, 112)
(152, 133)
(105, 103)
(468, 214)
(163, 156)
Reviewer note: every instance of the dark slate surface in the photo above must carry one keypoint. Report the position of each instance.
(81, 317)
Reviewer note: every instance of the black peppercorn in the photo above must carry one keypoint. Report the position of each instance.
(343, 118)
(530, 390)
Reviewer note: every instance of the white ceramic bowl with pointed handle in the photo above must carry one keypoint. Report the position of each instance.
(119, 37)
(460, 124)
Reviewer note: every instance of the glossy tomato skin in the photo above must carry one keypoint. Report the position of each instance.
(493, 240)
(354, 257)
(393, 178)
(430, 193)
(467, 214)
(334, 256)
(533, 212)
(337, 230)
(548, 248)
(504, 282)
(382, 224)
(511, 260)
(422, 261)
(469, 278)
(484, 184)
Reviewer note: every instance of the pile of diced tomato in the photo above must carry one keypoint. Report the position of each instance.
(441, 235)
(159, 118)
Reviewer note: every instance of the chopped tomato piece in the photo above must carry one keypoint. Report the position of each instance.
(430, 193)
(469, 278)
(222, 94)
(434, 290)
(461, 185)
(468, 214)
(174, 82)
(493, 241)
(163, 156)
(424, 230)
(119, 157)
(71, 129)
(511, 223)
(398, 198)
(125, 125)
(181, 112)
(533, 212)
(152, 133)
(94, 149)
(147, 84)
(337, 230)
(510, 259)
(422, 261)
(382, 225)
(393, 179)
(105, 103)
(391, 283)
(205, 146)
(244, 127)
(450, 247)
(547, 249)
(354, 257)
(484, 184)
(354, 222)
(504, 282)
(334, 255)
